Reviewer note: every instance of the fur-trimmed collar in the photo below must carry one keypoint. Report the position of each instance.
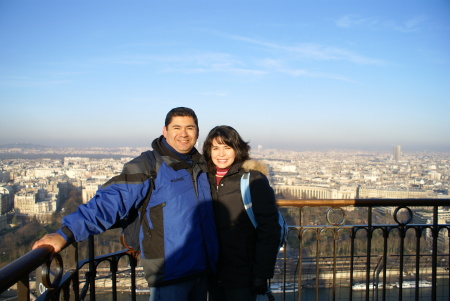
(256, 165)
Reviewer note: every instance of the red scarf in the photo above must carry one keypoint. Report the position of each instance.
(220, 173)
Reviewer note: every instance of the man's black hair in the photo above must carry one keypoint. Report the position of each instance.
(180, 111)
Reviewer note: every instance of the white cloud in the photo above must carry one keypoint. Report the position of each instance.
(280, 66)
(411, 25)
(314, 51)
(214, 93)
(348, 21)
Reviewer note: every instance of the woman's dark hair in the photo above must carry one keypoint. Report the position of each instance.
(229, 136)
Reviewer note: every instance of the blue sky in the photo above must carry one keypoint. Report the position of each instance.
(301, 75)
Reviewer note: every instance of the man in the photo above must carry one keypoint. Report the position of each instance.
(179, 244)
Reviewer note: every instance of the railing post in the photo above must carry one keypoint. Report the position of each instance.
(114, 268)
(335, 238)
(448, 259)
(352, 261)
(376, 277)
(23, 288)
(133, 262)
(369, 249)
(385, 255)
(300, 261)
(317, 264)
(418, 235)
(300, 254)
(435, 232)
(73, 256)
(92, 269)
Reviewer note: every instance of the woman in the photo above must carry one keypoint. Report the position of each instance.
(247, 255)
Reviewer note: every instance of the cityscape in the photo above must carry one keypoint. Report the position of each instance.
(34, 181)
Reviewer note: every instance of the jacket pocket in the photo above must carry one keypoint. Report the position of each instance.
(153, 242)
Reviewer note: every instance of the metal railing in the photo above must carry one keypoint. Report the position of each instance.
(361, 249)
(77, 283)
(366, 249)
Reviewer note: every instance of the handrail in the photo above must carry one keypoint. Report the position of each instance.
(362, 202)
(13, 272)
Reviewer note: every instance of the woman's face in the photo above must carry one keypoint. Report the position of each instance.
(222, 155)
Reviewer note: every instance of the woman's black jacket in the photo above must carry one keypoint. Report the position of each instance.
(245, 252)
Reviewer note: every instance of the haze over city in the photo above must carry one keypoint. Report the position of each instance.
(301, 75)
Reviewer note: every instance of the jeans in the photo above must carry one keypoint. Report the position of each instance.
(189, 290)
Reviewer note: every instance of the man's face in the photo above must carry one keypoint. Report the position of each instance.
(181, 133)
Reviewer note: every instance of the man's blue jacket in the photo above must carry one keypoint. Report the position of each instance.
(178, 236)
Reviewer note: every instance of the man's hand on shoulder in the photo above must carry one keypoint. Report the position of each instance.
(53, 239)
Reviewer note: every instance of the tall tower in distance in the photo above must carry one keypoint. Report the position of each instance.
(397, 152)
